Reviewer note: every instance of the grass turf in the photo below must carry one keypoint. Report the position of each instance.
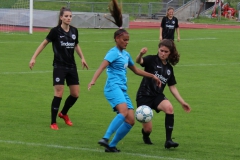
(207, 77)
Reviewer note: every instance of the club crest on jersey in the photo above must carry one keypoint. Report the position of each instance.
(73, 36)
(168, 72)
(57, 79)
(173, 22)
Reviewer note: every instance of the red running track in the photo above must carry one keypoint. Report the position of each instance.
(139, 25)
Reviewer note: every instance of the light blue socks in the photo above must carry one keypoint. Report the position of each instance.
(121, 132)
(114, 125)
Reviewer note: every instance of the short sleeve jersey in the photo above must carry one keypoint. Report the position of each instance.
(154, 65)
(117, 69)
(63, 44)
(168, 27)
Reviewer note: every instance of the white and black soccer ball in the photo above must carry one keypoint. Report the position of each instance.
(144, 114)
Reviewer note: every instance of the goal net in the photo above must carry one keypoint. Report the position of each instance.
(16, 16)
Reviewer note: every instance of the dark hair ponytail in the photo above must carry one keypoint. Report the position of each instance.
(62, 10)
(116, 13)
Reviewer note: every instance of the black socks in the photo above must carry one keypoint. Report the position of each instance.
(169, 123)
(56, 104)
(145, 134)
(54, 108)
(68, 104)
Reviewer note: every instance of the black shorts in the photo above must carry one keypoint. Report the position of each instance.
(151, 101)
(60, 74)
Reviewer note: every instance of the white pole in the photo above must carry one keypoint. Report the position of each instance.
(31, 17)
(219, 9)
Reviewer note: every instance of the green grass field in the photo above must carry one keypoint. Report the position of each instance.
(207, 76)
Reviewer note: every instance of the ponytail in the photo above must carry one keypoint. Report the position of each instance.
(116, 13)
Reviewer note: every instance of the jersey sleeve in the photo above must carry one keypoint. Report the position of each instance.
(163, 22)
(51, 35)
(176, 23)
(172, 80)
(111, 56)
(76, 40)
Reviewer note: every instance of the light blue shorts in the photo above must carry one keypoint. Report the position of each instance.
(116, 95)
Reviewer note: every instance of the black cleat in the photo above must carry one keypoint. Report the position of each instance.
(103, 142)
(112, 149)
(147, 140)
(170, 143)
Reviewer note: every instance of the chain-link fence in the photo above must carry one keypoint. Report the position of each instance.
(148, 10)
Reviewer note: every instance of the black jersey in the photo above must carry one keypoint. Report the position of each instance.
(168, 27)
(154, 65)
(63, 44)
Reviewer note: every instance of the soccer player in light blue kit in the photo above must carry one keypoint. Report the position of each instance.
(117, 60)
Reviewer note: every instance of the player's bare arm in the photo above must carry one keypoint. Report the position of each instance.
(145, 74)
(139, 58)
(176, 94)
(37, 52)
(79, 52)
(101, 68)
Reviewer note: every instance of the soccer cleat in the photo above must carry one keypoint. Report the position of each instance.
(65, 118)
(103, 142)
(170, 143)
(147, 140)
(112, 149)
(54, 126)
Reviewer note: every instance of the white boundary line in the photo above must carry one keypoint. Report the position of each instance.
(195, 65)
(185, 65)
(84, 149)
(35, 72)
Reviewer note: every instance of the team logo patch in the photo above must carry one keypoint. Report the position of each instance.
(173, 22)
(57, 79)
(73, 36)
(168, 72)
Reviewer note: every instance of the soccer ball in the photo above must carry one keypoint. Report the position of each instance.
(144, 114)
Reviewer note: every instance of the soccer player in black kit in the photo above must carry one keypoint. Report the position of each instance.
(151, 95)
(168, 26)
(64, 38)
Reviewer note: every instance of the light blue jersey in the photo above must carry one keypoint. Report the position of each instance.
(115, 89)
(117, 69)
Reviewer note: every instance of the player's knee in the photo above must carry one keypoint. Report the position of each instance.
(58, 93)
(147, 129)
(75, 95)
(130, 121)
(169, 109)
